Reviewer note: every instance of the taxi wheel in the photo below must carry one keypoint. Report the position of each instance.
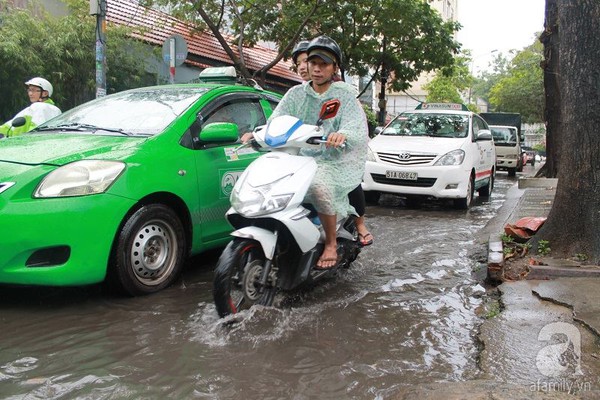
(465, 202)
(486, 191)
(149, 252)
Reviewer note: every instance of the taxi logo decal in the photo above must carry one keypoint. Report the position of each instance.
(228, 180)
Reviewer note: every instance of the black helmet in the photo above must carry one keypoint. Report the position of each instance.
(299, 48)
(328, 44)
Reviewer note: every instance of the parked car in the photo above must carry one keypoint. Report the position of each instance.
(530, 153)
(125, 187)
(439, 150)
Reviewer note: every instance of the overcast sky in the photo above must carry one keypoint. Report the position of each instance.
(500, 25)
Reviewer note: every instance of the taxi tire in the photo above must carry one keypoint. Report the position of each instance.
(165, 238)
(465, 202)
(486, 191)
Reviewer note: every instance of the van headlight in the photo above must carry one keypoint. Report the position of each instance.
(80, 178)
(455, 157)
(254, 201)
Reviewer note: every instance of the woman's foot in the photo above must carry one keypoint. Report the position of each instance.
(365, 239)
(328, 259)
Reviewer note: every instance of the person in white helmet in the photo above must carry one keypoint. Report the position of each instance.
(40, 110)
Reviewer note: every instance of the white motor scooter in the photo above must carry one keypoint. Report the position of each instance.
(278, 238)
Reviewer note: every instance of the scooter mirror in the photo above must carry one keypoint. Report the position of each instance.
(329, 110)
(19, 121)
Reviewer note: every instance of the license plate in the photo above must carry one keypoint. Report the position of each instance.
(411, 176)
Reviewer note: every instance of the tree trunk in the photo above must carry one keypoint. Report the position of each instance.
(573, 225)
(550, 65)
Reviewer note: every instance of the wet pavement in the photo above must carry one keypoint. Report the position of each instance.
(544, 342)
(404, 322)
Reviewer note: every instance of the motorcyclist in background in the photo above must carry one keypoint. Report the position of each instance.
(40, 110)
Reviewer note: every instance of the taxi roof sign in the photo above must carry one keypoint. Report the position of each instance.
(218, 74)
(442, 106)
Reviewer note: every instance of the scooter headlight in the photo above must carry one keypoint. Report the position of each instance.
(254, 201)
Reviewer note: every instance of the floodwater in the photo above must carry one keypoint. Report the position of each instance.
(404, 314)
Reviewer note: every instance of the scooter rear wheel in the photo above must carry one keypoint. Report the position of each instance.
(238, 271)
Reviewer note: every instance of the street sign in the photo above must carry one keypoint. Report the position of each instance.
(174, 49)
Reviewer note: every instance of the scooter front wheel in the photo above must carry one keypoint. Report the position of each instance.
(237, 275)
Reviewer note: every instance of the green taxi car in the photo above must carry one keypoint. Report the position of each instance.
(125, 187)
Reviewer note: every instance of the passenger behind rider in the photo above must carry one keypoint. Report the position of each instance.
(40, 110)
(339, 170)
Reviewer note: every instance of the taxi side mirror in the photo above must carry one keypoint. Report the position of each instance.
(484, 134)
(219, 132)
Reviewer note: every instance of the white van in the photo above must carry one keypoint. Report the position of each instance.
(439, 150)
(508, 149)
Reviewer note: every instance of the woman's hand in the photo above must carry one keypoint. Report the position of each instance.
(335, 139)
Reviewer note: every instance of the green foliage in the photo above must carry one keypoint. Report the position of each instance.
(62, 50)
(543, 247)
(540, 148)
(416, 38)
(493, 309)
(371, 119)
(521, 89)
(483, 84)
(447, 85)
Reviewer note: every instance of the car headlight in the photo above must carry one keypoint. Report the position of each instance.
(371, 155)
(253, 201)
(80, 178)
(455, 157)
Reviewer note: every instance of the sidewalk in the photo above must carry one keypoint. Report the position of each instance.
(561, 281)
(553, 312)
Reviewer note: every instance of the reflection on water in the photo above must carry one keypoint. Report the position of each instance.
(403, 315)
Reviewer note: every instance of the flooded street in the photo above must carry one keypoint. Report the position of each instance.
(404, 314)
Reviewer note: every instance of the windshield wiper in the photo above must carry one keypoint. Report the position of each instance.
(81, 127)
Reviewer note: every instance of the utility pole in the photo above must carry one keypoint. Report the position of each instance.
(384, 78)
(98, 8)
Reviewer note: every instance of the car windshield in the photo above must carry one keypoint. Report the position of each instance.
(429, 124)
(504, 136)
(138, 112)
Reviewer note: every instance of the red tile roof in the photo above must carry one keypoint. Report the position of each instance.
(157, 26)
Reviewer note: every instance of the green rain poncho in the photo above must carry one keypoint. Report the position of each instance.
(339, 170)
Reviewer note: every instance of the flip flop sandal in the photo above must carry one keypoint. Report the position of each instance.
(364, 239)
